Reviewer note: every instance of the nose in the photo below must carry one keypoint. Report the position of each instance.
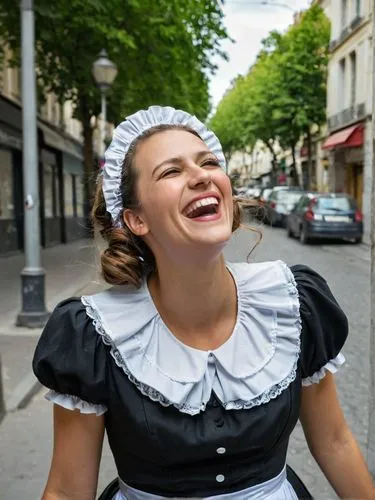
(199, 178)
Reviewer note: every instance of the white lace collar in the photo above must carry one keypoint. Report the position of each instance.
(254, 365)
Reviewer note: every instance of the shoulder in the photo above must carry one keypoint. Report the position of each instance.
(325, 326)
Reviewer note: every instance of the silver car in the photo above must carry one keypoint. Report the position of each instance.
(280, 204)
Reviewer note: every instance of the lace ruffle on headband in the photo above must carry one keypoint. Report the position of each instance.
(128, 131)
(256, 364)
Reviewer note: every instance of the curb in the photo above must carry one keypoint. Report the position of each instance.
(23, 393)
(30, 385)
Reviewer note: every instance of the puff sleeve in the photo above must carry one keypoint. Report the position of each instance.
(324, 326)
(71, 360)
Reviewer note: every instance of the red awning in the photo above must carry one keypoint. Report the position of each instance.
(350, 137)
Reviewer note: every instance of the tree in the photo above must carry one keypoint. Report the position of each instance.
(284, 92)
(163, 51)
(302, 59)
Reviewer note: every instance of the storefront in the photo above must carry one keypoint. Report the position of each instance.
(75, 220)
(61, 173)
(346, 154)
(11, 197)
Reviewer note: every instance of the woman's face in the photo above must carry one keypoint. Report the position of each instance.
(185, 196)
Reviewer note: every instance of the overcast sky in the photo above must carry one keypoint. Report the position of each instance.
(248, 23)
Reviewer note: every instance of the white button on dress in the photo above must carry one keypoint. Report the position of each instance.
(220, 478)
(221, 451)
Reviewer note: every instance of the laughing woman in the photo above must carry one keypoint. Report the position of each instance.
(197, 369)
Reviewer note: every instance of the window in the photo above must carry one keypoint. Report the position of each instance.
(80, 195)
(353, 78)
(335, 204)
(341, 94)
(344, 13)
(357, 8)
(69, 196)
(51, 192)
(6, 185)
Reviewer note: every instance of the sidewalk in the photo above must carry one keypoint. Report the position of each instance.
(71, 269)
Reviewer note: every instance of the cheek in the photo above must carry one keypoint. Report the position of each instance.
(158, 200)
(223, 183)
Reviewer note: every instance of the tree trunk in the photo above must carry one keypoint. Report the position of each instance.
(309, 160)
(274, 163)
(294, 178)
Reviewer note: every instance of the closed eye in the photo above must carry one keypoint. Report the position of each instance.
(211, 163)
(169, 171)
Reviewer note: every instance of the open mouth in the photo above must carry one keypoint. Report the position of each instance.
(202, 208)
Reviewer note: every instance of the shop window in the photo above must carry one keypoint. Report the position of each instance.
(69, 195)
(80, 195)
(6, 185)
(51, 192)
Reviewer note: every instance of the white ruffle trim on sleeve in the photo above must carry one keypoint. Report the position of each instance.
(75, 403)
(332, 366)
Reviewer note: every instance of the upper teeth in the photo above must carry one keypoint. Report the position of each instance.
(201, 203)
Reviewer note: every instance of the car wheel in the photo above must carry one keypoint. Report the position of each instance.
(358, 240)
(289, 232)
(303, 238)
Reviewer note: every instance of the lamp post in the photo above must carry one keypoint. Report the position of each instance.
(33, 313)
(104, 72)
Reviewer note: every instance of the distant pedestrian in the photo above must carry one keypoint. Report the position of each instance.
(198, 369)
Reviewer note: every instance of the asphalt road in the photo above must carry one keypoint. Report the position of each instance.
(346, 267)
(26, 436)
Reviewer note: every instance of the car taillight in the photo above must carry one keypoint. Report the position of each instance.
(358, 217)
(273, 204)
(309, 215)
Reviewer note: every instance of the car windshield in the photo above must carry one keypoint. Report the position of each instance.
(289, 197)
(266, 193)
(335, 204)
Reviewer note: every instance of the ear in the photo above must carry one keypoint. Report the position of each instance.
(135, 222)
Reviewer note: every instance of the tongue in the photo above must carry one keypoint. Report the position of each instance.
(201, 211)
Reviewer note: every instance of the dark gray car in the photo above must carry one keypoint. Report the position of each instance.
(329, 215)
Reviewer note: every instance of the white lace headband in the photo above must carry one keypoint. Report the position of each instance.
(129, 130)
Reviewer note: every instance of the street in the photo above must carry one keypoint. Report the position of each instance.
(26, 436)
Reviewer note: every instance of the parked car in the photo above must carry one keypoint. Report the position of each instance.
(328, 215)
(280, 203)
(259, 212)
(252, 192)
(270, 203)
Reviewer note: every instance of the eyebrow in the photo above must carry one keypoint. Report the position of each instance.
(180, 159)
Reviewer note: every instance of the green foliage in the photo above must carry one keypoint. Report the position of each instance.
(163, 50)
(284, 92)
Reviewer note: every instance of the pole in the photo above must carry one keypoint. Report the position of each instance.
(33, 313)
(103, 124)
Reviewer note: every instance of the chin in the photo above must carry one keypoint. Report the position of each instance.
(215, 236)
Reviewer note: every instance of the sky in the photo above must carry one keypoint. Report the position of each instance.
(248, 23)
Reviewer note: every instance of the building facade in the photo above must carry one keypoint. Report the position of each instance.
(60, 153)
(347, 150)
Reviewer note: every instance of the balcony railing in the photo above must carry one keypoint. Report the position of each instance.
(347, 117)
(346, 32)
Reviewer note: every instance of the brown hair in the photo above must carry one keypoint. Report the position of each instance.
(127, 258)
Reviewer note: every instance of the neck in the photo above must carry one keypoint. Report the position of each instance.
(197, 302)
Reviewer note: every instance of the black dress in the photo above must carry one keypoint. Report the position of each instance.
(186, 423)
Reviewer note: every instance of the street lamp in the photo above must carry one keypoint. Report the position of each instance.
(104, 72)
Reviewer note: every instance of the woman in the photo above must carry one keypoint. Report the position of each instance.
(198, 369)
